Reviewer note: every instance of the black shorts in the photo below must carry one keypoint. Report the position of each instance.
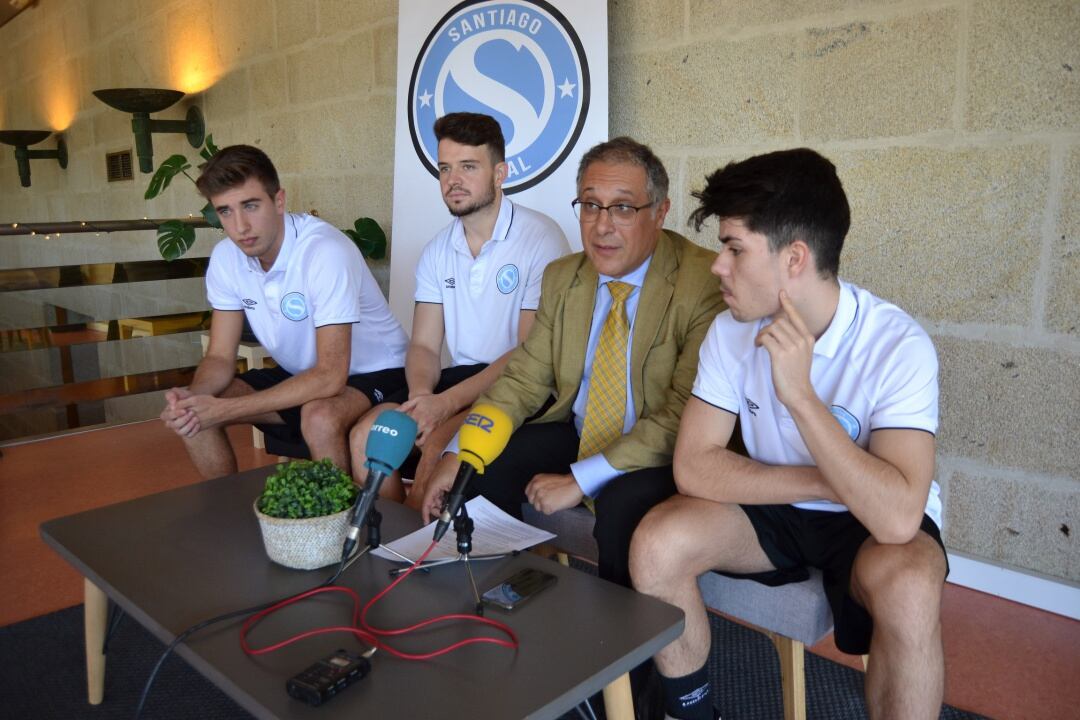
(449, 377)
(795, 539)
(375, 386)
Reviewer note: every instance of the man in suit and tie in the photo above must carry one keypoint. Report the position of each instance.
(615, 343)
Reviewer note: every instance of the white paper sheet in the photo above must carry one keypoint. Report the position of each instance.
(494, 533)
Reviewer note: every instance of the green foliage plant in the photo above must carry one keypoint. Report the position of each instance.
(305, 489)
(369, 237)
(175, 237)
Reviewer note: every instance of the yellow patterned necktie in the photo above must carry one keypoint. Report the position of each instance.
(605, 409)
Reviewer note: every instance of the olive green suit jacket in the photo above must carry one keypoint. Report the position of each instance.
(678, 302)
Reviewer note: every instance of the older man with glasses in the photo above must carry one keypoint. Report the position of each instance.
(614, 346)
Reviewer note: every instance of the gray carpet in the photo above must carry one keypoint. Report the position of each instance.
(44, 677)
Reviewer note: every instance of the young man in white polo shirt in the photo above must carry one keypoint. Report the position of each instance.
(312, 303)
(477, 287)
(836, 394)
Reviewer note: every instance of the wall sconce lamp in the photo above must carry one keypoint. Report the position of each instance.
(22, 139)
(143, 101)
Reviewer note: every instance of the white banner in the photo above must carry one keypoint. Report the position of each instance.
(539, 68)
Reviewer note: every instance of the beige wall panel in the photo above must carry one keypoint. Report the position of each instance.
(1063, 301)
(337, 16)
(99, 76)
(879, 79)
(1025, 522)
(297, 22)
(331, 70)
(20, 112)
(947, 234)
(633, 23)
(105, 18)
(384, 39)
(733, 15)
(278, 134)
(710, 93)
(229, 97)
(74, 29)
(242, 29)
(268, 84)
(338, 138)
(1014, 407)
(1024, 65)
(112, 132)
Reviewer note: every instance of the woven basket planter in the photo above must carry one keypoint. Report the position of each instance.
(307, 543)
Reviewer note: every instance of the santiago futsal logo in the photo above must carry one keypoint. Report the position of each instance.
(519, 61)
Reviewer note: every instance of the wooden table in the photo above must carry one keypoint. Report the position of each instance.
(173, 559)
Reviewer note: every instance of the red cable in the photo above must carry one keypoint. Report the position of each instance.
(371, 635)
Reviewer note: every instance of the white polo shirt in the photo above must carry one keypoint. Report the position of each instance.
(483, 297)
(319, 278)
(874, 368)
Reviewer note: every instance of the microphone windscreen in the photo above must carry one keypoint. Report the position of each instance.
(484, 435)
(391, 439)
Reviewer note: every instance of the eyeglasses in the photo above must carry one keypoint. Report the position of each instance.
(620, 213)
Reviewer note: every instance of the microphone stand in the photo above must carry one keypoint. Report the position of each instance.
(463, 530)
(374, 537)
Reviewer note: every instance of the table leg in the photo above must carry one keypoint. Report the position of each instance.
(96, 609)
(618, 700)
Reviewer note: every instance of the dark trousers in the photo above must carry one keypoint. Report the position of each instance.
(551, 448)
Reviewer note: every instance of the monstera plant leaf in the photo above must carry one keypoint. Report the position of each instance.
(210, 150)
(369, 237)
(174, 238)
(168, 169)
(210, 215)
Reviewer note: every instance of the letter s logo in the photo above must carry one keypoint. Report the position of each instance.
(294, 307)
(519, 61)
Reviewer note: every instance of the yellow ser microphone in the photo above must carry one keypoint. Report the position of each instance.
(483, 437)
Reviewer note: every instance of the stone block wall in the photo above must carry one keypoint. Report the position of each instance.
(955, 125)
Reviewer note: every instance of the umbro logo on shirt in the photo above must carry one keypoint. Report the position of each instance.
(450, 284)
(752, 406)
(248, 302)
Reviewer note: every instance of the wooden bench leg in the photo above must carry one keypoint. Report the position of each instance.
(792, 676)
(96, 617)
(618, 700)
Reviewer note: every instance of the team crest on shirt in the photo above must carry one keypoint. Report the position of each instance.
(849, 422)
(294, 307)
(521, 62)
(507, 279)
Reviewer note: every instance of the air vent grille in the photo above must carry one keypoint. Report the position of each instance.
(118, 166)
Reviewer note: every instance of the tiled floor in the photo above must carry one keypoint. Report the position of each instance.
(1003, 660)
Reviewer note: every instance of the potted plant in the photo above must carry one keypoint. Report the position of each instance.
(303, 513)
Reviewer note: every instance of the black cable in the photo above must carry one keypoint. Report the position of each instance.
(221, 618)
(116, 614)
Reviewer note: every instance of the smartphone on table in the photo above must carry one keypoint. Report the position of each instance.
(518, 588)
